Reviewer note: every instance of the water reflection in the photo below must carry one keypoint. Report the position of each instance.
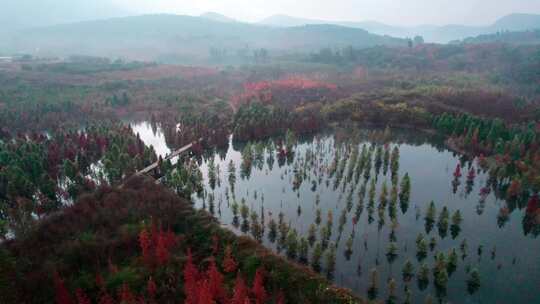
(405, 219)
(153, 136)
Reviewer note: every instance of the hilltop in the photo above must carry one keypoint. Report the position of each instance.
(182, 38)
(431, 33)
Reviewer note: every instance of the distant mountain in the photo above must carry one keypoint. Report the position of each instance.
(431, 33)
(518, 22)
(184, 38)
(521, 37)
(217, 17)
(289, 21)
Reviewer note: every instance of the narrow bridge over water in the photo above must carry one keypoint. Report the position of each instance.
(174, 154)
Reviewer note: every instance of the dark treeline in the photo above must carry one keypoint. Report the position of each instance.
(502, 64)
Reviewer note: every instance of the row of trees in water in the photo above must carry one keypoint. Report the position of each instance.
(353, 170)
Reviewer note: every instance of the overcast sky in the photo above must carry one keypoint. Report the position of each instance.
(398, 12)
(395, 12)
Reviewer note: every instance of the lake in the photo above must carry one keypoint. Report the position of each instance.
(327, 173)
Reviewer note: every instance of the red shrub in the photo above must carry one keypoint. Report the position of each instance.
(162, 250)
(62, 294)
(216, 282)
(240, 293)
(292, 85)
(533, 204)
(258, 287)
(457, 172)
(156, 246)
(82, 298)
(125, 295)
(281, 297)
(191, 276)
(151, 287)
(229, 264)
(99, 281)
(145, 243)
(205, 293)
(471, 174)
(106, 299)
(514, 189)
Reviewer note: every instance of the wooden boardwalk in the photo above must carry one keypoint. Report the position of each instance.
(170, 156)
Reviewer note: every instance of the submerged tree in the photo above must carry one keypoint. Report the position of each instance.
(330, 260)
(394, 162)
(312, 234)
(373, 289)
(473, 282)
(455, 228)
(247, 160)
(303, 250)
(432, 243)
(391, 292)
(452, 261)
(316, 257)
(405, 193)
(463, 247)
(421, 247)
(383, 198)
(292, 244)
(318, 215)
(423, 276)
(408, 271)
(256, 227)
(273, 229)
(443, 222)
(386, 158)
(212, 173)
(391, 252)
(349, 247)
(430, 217)
(441, 280)
(232, 175)
(408, 295)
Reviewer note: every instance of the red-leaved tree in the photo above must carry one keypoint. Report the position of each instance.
(240, 293)
(258, 287)
(229, 264)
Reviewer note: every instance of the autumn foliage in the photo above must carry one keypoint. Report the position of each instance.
(156, 245)
(158, 250)
(289, 89)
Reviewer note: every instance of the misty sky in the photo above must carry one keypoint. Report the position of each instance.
(397, 12)
(21, 13)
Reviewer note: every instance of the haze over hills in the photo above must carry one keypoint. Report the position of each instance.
(182, 38)
(217, 17)
(531, 37)
(21, 14)
(190, 39)
(431, 33)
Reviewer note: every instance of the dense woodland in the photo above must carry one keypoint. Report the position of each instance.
(143, 244)
(76, 229)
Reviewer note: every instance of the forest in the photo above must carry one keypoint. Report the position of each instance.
(306, 164)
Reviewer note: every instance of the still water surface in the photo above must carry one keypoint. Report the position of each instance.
(509, 263)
